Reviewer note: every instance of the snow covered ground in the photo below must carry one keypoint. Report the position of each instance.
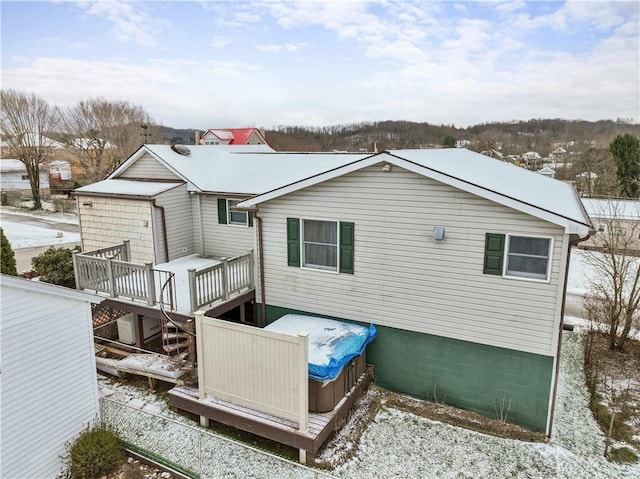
(400, 444)
(32, 232)
(396, 443)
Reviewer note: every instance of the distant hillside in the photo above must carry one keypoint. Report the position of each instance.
(540, 135)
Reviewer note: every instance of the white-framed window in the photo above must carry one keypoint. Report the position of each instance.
(238, 218)
(25, 177)
(602, 228)
(320, 244)
(528, 257)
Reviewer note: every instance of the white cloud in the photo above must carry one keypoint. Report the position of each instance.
(130, 23)
(284, 47)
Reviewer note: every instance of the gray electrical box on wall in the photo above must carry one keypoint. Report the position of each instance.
(438, 233)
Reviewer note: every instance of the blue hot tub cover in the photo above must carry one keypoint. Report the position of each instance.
(332, 344)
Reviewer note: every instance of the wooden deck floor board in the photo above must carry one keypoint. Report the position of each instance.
(320, 425)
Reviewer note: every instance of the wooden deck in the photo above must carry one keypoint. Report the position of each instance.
(321, 425)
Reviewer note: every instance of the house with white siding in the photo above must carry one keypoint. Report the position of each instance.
(457, 259)
(14, 177)
(48, 385)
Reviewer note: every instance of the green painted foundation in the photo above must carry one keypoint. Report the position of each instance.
(495, 382)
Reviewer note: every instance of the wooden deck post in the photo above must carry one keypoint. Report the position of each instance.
(251, 272)
(127, 250)
(225, 278)
(76, 269)
(111, 279)
(151, 284)
(192, 290)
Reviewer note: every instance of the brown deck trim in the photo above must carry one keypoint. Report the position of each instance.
(229, 305)
(321, 425)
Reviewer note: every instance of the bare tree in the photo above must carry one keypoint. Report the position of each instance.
(103, 133)
(26, 119)
(616, 266)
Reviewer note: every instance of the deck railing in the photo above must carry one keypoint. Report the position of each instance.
(118, 278)
(220, 281)
(105, 271)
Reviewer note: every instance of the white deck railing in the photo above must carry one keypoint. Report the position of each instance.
(108, 270)
(220, 281)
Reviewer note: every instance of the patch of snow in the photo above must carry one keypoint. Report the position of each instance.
(27, 235)
(401, 444)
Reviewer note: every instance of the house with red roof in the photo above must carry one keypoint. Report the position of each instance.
(233, 136)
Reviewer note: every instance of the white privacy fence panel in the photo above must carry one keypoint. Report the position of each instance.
(259, 369)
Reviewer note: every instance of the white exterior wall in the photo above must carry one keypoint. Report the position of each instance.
(48, 386)
(219, 240)
(110, 221)
(149, 168)
(405, 279)
(179, 222)
(12, 181)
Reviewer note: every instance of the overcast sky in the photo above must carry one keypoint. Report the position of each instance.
(216, 64)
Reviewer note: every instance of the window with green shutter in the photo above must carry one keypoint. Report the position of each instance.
(293, 241)
(227, 216)
(493, 253)
(318, 244)
(346, 247)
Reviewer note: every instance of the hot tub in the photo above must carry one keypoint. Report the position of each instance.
(337, 355)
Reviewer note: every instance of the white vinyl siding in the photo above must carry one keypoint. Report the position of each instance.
(149, 168)
(179, 221)
(219, 239)
(48, 379)
(107, 221)
(405, 279)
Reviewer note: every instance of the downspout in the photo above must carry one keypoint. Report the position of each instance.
(164, 229)
(564, 300)
(263, 302)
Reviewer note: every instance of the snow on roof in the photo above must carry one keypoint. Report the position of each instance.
(493, 179)
(12, 165)
(89, 143)
(612, 209)
(503, 178)
(222, 134)
(245, 169)
(238, 136)
(127, 187)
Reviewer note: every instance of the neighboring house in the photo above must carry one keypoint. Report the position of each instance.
(48, 385)
(463, 143)
(50, 147)
(548, 172)
(493, 154)
(233, 136)
(616, 221)
(456, 258)
(14, 177)
(558, 155)
(59, 170)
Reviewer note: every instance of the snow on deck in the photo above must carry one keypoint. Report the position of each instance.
(180, 268)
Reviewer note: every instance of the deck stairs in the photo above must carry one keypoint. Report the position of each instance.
(178, 339)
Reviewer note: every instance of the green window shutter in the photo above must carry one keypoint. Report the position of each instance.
(346, 247)
(222, 211)
(493, 253)
(250, 218)
(293, 241)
